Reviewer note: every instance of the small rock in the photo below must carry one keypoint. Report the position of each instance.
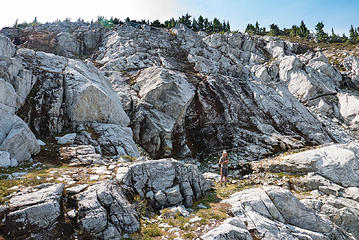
(72, 213)
(201, 205)
(172, 230)
(66, 139)
(94, 177)
(19, 174)
(195, 219)
(164, 225)
(41, 143)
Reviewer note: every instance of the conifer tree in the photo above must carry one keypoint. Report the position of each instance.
(274, 30)
(200, 23)
(216, 25)
(320, 34)
(353, 35)
(194, 25)
(304, 32)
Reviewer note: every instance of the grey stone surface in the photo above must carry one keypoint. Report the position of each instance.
(172, 182)
(66, 139)
(80, 155)
(16, 138)
(7, 48)
(104, 211)
(336, 162)
(35, 214)
(274, 213)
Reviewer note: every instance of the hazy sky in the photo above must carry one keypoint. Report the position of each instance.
(339, 14)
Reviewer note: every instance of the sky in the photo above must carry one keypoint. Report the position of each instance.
(337, 14)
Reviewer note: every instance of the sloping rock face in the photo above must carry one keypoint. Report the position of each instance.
(273, 213)
(16, 139)
(186, 94)
(35, 215)
(165, 182)
(255, 117)
(190, 94)
(338, 163)
(52, 93)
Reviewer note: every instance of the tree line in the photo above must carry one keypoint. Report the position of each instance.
(215, 25)
(199, 24)
(196, 24)
(302, 31)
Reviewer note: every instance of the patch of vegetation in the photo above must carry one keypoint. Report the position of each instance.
(31, 179)
(287, 175)
(129, 158)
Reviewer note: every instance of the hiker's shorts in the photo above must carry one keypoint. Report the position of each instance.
(224, 171)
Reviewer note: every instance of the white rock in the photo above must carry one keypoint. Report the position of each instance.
(66, 139)
(7, 48)
(195, 219)
(94, 177)
(41, 143)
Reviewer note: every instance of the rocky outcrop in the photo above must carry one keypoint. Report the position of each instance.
(103, 211)
(35, 214)
(178, 89)
(165, 182)
(274, 213)
(71, 94)
(252, 117)
(338, 163)
(330, 175)
(165, 79)
(69, 39)
(342, 211)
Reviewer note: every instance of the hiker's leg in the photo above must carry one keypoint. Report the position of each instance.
(221, 176)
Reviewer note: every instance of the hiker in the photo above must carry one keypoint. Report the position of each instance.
(223, 163)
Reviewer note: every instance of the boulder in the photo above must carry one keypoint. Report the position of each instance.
(228, 232)
(104, 212)
(6, 161)
(66, 139)
(35, 214)
(170, 182)
(89, 97)
(114, 139)
(337, 162)
(348, 108)
(17, 139)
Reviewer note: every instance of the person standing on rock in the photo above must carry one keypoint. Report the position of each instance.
(223, 163)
